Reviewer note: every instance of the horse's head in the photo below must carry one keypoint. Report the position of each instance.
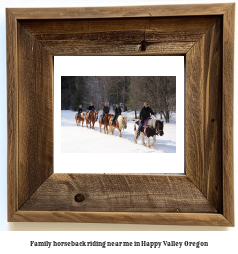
(95, 114)
(160, 127)
(124, 122)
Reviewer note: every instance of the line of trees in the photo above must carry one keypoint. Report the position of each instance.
(130, 92)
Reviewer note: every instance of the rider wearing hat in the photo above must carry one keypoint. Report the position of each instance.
(145, 113)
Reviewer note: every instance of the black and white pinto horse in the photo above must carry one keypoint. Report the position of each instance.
(154, 127)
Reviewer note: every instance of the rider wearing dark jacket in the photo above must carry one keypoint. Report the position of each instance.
(105, 111)
(145, 112)
(80, 110)
(117, 113)
(118, 110)
(91, 109)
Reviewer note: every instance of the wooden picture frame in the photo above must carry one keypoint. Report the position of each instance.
(204, 34)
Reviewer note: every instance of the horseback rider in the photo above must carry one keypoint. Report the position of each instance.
(80, 110)
(91, 109)
(105, 111)
(117, 113)
(145, 113)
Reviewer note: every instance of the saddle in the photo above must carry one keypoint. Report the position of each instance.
(114, 122)
(88, 114)
(144, 126)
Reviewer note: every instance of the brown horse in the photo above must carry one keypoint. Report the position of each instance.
(80, 118)
(105, 122)
(91, 119)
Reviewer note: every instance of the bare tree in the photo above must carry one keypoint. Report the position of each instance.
(131, 92)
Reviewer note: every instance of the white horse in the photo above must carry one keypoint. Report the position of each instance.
(121, 123)
(154, 127)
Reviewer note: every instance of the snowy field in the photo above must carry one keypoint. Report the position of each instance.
(78, 139)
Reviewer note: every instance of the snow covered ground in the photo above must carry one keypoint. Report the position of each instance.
(78, 139)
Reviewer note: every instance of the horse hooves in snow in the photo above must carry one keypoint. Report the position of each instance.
(154, 127)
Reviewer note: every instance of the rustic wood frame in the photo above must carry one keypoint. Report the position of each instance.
(204, 34)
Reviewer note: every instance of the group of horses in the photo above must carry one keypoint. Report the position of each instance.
(109, 126)
(153, 127)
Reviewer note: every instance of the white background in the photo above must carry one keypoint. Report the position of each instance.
(120, 66)
(19, 241)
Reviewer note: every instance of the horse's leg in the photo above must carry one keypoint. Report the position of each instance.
(154, 140)
(143, 139)
(119, 134)
(135, 136)
(148, 142)
(111, 129)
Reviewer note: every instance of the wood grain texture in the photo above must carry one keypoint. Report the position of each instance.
(121, 12)
(114, 193)
(35, 114)
(204, 115)
(71, 48)
(191, 219)
(174, 36)
(190, 26)
(227, 113)
(12, 114)
(204, 196)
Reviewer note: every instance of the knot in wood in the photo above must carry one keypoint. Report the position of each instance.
(79, 198)
(143, 45)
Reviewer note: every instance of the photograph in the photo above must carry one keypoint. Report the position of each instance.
(115, 107)
(141, 110)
